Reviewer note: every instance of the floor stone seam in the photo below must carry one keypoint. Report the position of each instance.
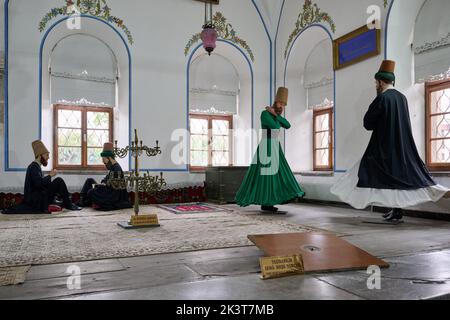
(201, 276)
(345, 290)
(82, 274)
(416, 253)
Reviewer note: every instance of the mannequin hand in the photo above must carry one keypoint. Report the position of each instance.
(272, 111)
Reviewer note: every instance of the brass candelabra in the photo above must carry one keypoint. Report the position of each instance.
(145, 183)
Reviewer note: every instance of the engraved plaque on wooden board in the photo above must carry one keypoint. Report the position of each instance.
(320, 252)
(277, 267)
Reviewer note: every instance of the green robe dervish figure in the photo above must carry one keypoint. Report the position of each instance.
(270, 181)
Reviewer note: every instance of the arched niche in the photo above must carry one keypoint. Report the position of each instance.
(319, 76)
(400, 37)
(431, 42)
(408, 28)
(299, 139)
(214, 83)
(83, 77)
(96, 29)
(243, 122)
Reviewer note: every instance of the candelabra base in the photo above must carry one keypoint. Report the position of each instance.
(141, 221)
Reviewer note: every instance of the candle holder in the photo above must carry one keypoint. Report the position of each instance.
(145, 183)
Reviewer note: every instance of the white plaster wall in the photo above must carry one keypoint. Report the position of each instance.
(299, 139)
(400, 39)
(158, 74)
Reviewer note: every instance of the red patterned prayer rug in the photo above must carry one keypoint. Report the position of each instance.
(185, 208)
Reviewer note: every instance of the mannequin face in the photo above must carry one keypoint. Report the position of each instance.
(279, 107)
(107, 162)
(378, 86)
(44, 159)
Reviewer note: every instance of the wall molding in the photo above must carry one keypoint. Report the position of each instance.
(211, 110)
(83, 102)
(321, 83)
(438, 77)
(68, 75)
(214, 91)
(430, 46)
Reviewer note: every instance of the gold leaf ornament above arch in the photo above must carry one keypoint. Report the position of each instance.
(96, 8)
(310, 14)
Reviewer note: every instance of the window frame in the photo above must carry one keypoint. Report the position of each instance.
(84, 110)
(210, 119)
(431, 87)
(317, 113)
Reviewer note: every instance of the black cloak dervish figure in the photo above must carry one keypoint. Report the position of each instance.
(41, 192)
(391, 172)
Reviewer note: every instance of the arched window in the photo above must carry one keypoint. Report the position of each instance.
(214, 97)
(83, 81)
(310, 76)
(432, 66)
(319, 86)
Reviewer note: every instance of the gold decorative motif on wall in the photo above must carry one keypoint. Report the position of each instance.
(96, 8)
(310, 14)
(225, 31)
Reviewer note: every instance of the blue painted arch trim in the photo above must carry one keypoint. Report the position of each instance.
(276, 41)
(271, 55)
(334, 85)
(386, 28)
(188, 67)
(6, 112)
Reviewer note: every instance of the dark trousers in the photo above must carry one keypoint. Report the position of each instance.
(84, 192)
(59, 187)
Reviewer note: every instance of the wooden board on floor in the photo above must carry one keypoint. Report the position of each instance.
(320, 252)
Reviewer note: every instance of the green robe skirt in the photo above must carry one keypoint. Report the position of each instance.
(269, 182)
